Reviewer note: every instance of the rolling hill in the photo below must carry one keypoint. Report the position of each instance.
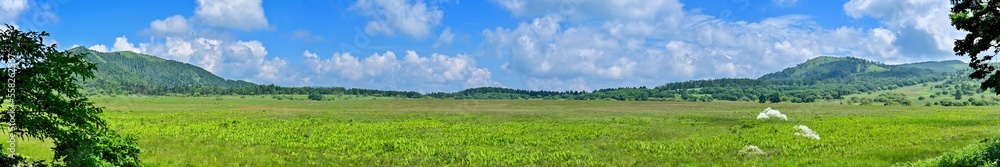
(821, 78)
(939, 66)
(845, 71)
(125, 71)
(825, 68)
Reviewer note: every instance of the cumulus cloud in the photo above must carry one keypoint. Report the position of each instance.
(183, 40)
(203, 40)
(922, 26)
(122, 44)
(542, 49)
(445, 38)
(98, 47)
(557, 84)
(234, 14)
(230, 59)
(175, 25)
(634, 44)
(389, 71)
(804, 131)
(410, 17)
(249, 60)
(10, 10)
(583, 9)
(244, 60)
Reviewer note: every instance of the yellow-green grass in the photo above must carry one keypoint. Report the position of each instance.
(31, 148)
(914, 92)
(234, 131)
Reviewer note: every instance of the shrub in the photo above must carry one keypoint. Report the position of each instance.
(315, 96)
(985, 153)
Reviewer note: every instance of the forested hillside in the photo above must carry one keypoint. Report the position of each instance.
(825, 78)
(124, 71)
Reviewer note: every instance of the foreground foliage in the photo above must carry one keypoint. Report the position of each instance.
(979, 18)
(985, 153)
(49, 106)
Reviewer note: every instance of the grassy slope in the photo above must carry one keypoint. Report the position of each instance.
(914, 92)
(259, 131)
(940, 66)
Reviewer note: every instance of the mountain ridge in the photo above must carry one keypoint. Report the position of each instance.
(827, 67)
(122, 71)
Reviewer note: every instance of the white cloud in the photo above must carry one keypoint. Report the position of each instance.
(542, 49)
(683, 57)
(274, 70)
(306, 36)
(445, 38)
(388, 71)
(10, 10)
(635, 45)
(922, 27)
(122, 44)
(197, 41)
(606, 10)
(557, 84)
(413, 18)
(175, 25)
(234, 14)
(244, 60)
(98, 47)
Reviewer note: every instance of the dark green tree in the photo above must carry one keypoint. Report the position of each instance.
(774, 98)
(315, 96)
(958, 94)
(50, 107)
(981, 19)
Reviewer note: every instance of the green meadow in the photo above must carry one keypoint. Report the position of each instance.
(263, 131)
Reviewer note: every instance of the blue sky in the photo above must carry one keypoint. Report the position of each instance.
(449, 45)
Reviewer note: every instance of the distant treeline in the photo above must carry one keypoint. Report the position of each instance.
(198, 90)
(700, 90)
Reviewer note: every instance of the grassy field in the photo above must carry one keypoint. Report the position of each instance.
(914, 92)
(262, 131)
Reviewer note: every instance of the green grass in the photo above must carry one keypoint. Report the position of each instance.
(254, 131)
(985, 153)
(875, 68)
(914, 92)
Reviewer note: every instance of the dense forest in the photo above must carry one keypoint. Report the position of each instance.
(128, 72)
(821, 78)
